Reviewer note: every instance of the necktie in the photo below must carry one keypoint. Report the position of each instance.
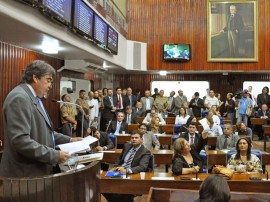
(119, 102)
(129, 119)
(225, 146)
(111, 100)
(117, 128)
(130, 100)
(128, 164)
(191, 140)
(46, 116)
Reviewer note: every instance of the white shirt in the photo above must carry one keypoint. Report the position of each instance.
(147, 119)
(94, 110)
(181, 119)
(211, 101)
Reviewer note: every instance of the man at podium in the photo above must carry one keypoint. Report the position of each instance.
(28, 130)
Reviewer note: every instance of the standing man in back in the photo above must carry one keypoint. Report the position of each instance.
(147, 102)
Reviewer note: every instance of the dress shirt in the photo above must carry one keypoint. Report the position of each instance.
(148, 106)
(127, 157)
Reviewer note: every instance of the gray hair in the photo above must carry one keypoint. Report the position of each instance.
(38, 68)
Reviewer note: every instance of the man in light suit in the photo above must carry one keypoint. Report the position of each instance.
(132, 98)
(29, 136)
(228, 140)
(118, 126)
(147, 102)
(149, 139)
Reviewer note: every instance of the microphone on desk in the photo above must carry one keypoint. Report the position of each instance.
(266, 174)
(74, 104)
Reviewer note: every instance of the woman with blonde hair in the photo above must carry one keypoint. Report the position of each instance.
(154, 126)
(186, 159)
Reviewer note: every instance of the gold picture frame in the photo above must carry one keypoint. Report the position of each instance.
(232, 31)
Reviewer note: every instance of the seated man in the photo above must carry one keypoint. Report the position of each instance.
(228, 140)
(263, 113)
(130, 117)
(118, 126)
(243, 130)
(149, 139)
(134, 158)
(149, 116)
(191, 136)
(104, 142)
(138, 110)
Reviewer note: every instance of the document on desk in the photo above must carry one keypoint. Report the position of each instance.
(78, 146)
(90, 157)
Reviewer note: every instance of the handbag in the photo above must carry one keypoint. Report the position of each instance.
(248, 111)
(223, 171)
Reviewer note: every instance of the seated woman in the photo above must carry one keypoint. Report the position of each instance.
(215, 130)
(155, 127)
(212, 113)
(243, 160)
(186, 159)
(182, 118)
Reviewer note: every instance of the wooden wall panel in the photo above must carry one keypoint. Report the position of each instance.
(219, 83)
(13, 60)
(156, 22)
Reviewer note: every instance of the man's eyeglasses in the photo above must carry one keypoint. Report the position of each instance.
(142, 128)
(227, 129)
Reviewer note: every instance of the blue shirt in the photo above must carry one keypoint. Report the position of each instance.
(243, 104)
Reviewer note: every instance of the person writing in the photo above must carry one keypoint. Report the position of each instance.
(186, 159)
(244, 160)
(29, 136)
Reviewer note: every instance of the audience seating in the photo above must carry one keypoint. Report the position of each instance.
(171, 195)
(132, 127)
(140, 119)
(168, 129)
(266, 132)
(170, 120)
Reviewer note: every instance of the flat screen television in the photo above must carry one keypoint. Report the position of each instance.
(100, 31)
(83, 18)
(176, 52)
(112, 40)
(59, 10)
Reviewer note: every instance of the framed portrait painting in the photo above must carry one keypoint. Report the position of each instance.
(232, 31)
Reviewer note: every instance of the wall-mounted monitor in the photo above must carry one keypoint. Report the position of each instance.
(59, 10)
(100, 31)
(83, 19)
(112, 40)
(176, 52)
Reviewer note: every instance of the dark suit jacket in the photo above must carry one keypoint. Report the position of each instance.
(104, 140)
(133, 100)
(139, 112)
(235, 24)
(125, 101)
(261, 100)
(186, 136)
(28, 137)
(260, 113)
(113, 125)
(134, 119)
(196, 109)
(106, 112)
(140, 161)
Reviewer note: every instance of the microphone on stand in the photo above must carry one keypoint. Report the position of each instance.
(108, 125)
(74, 104)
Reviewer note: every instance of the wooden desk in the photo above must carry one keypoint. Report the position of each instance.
(266, 132)
(134, 185)
(161, 156)
(216, 157)
(165, 157)
(212, 141)
(257, 121)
